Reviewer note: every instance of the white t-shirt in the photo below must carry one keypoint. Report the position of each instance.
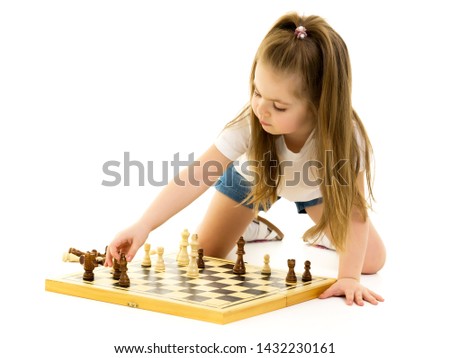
(299, 181)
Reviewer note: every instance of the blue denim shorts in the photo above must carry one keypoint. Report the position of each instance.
(236, 187)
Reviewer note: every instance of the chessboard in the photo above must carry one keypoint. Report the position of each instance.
(217, 295)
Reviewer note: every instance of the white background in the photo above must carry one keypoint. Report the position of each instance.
(82, 82)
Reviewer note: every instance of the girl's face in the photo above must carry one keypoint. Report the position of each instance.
(277, 107)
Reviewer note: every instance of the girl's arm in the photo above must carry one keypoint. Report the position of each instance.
(192, 182)
(351, 261)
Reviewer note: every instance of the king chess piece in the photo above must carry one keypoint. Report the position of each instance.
(239, 266)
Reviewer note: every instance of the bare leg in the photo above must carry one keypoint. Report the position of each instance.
(375, 252)
(223, 224)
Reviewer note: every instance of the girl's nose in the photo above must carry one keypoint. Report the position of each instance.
(263, 111)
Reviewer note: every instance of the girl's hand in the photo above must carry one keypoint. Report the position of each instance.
(353, 292)
(128, 242)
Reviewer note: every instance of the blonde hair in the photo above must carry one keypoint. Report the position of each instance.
(322, 63)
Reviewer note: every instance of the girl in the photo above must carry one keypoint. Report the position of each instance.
(298, 138)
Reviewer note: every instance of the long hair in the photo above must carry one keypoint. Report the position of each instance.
(322, 63)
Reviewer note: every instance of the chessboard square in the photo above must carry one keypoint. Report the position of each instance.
(171, 282)
(159, 291)
(235, 277)
(246, 284)
(266, 288)
(104, 281)
(139, 281)
(242, 295)
(218, 263)
(215, 285)
(256, 292)
(236, 288)
(169, 287)
(279, 284)
(140, 288)
(223, 291)
(229, 282)
(229, 298)
(214, 270)
(214, 302)
(199, 281)
(200, 299)
(211, 277)
(178, 295)
(260, 282)
(192, 291)
(208, 294)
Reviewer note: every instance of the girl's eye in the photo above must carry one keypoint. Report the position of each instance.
(256, 94)
(278, 109)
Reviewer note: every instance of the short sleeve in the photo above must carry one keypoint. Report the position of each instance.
(234, 140)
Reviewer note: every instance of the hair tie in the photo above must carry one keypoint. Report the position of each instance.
(300, 32)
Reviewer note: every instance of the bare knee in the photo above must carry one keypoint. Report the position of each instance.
(375, 259)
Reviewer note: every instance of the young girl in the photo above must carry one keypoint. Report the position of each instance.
(298, 138)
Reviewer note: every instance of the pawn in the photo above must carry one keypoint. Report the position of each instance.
(116, 269)
(160, 265)
(192, 270)
(291, 278)
(306, 277)
(200, 262)
(266, 268)
(146, 262)
(124, 281)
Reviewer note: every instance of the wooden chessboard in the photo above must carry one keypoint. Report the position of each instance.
(217, 295)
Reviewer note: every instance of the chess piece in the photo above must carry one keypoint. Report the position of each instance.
(124, 281)
(306, 277)
(160, 265)
(194, 245)
(183, 257)
(116, 269)
(69, 257)
(239, 266)
(192, 270)
(200, 262)
(76, 252)
(266, 268)
(88, 262)
(291, 278)
(146, 262)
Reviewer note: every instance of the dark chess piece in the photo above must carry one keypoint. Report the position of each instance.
(200, 262)
(89, 263)
(306, 277)
(239, 266)
(116, 269)
(291, 278)
(124, 281)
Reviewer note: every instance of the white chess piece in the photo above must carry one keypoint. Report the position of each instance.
(146, 262)
(194, 244)
(266, 268)
(69, 257)
(183, 257)
(160, 265)
(192, 270)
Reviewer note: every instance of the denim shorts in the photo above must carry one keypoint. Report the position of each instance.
(236, 187)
